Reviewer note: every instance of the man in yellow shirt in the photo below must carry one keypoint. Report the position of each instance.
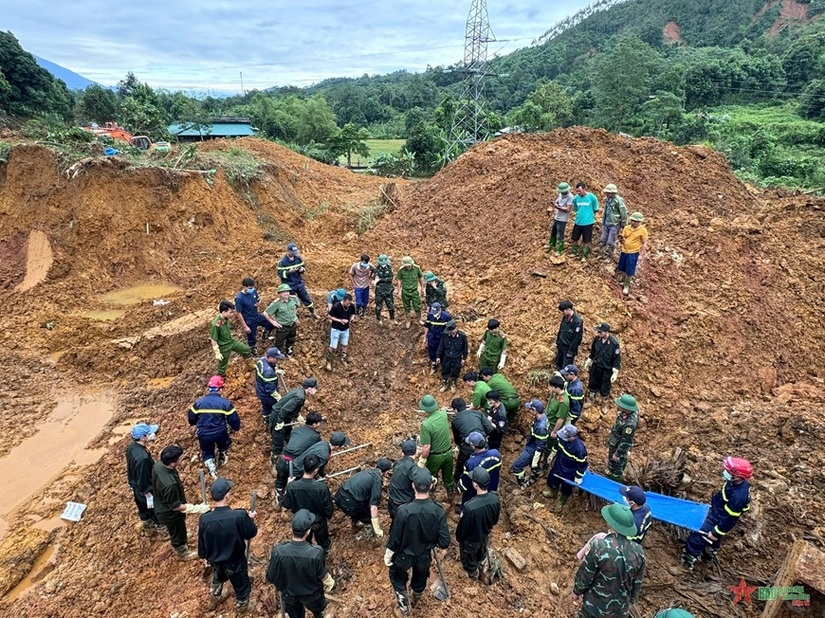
(634, 245)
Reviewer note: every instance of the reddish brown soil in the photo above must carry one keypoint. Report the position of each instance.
(672, 33)
(723, 346)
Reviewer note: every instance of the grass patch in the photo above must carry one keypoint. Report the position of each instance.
(368, 217)
(376, 146)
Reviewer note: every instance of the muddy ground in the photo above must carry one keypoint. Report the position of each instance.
(722, 341)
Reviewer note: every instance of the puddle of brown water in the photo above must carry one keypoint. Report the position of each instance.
(36, 573)
(59, 441)
(109, 315)
(140, 293)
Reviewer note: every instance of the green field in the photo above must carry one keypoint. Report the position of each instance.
(376, 146)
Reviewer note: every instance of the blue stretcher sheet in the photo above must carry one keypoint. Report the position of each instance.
(682, 513)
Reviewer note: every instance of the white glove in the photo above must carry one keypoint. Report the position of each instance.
(300, 421)
(587, 364)
(278, 426)
(217, 351)
(196, 509)
(579, 480)
(329, 583)
(503, 360)
(422, 462)
(280, 372)
(535, 463)
(388, 557)
(376, 527)
(480, 350)
(614, 376)
(276, 396)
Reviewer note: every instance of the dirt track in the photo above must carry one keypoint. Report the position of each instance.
(723, 345)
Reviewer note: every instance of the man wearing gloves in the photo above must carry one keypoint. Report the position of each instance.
(622, 436)
(436, 452)
(266, 380)
(604, 362)
(359, 496)
(139, 464)
(452, 354)
(220, 335)
(214, 416)
(535, 447)
(287, 410)
(435, 324)
(570, 464)
(171, 507)
(492, 352)
(417, 529)
(298, 570)
(478, 516)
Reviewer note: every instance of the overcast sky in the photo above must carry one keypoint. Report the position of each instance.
(205, 44)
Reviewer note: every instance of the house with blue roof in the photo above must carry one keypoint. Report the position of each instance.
(225, 127)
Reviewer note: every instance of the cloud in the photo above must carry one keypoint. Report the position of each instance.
(195, 45)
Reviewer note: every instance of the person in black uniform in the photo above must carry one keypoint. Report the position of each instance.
(323, 450)
(285, 411)
(300, 440)
(222, 537)
(569, 337)
(465, 422)
(297, 569)
(139, 464)
(307, 493)
(478, 517)
(497, 415)
(400, 489)
(418, 527)
(360, 496)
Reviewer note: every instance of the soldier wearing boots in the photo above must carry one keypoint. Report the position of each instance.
(360, 495)
(436, 452)
(435, 324)
(291, 269)
(213, 415)
(223, 345)
(287, 410)
(569, 337)
(400, 489)
(585, 207)
(726, 507)
(307, 493)
(478, 516)
(570, 464)
(361, 273)
(266, 380)
(417, 529)
(299, 572)
(466, 421)
(300, 440)
(435, 291)
(613, 221)
(409, 283)
(384, 277)
(139, 465)
(604, 362)
(561, 215)
(282, 313)
(451, 355)
(575, 391)
(622, 436)
(171, 507)
(535, 447)
(222, 537)
(492, 351)
(342, 315)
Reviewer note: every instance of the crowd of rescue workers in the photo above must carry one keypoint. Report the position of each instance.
(459, 444)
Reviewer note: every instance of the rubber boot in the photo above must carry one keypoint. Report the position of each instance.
(432, 367)
(329, 357)
(185, 554)
(344, 355)
(403, 602)
(210, 465)
(407, 323)
(222, 459)
(559, 247)
(521, 478)
(392, 317)
(687, 560)
(452, 386)
(626, 286)
(574, 249)
(585, 253)
(415, 598)
(444, 386)
(560, 502)
(550, 492)
(314, 313)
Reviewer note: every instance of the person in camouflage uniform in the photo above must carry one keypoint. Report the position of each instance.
(410, 281)
(434, 290)
(384, 277)
(610, 577)
(614, 220)
(621, 436)
(492, 352)
(220, 334)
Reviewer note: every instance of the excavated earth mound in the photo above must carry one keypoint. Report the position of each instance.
(722, 342)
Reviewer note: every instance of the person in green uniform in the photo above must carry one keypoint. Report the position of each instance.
(506, 391)
(622, 435)
(435, 291)
(434, 438)
(558, 406)
(383, 288)
(480, 389)
(220, 333)
(282, 313)
(410, 281)
(492, 352)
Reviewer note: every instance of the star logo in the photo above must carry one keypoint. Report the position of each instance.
(742, 592)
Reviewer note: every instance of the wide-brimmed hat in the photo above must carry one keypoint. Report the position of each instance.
(383, 259)
(611, 188)
(428, 404)
(627, 402)
(407, 260)
(637, 216)
(564, 187)
(429, 276)
(620, 518)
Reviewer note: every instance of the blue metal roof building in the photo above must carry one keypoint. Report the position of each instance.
(220, 128)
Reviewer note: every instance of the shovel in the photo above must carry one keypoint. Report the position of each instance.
(441, 591)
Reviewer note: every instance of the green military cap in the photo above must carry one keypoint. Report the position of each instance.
(564, 187)
(620, 518)
(637, 216)
(429, 276)
(611, 188)
(383, 260)
(673, 612)
(627, 402)
(428, 404)
(407, 260)
(284, 288)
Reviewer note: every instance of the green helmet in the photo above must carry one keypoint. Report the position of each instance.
(673, 612)
(284, 288)
(429, 276)
(383, 260)
(564, 187)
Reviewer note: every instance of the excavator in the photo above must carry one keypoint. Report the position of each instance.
(115, 131)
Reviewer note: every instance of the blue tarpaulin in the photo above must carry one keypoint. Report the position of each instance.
(682, 513)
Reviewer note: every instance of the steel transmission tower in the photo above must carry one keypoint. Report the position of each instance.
(470, 120)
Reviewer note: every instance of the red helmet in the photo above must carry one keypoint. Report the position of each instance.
(215, 382)
(739, 467)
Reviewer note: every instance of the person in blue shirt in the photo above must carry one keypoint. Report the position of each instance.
(211, 415)
(535, 447)
(570, 464)
(585, 206)
(635, 497)
(575, 390)
(266, 380)
(247, 303)
(487, 458)
(291, 269)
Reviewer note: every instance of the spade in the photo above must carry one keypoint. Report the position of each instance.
(441, 591)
